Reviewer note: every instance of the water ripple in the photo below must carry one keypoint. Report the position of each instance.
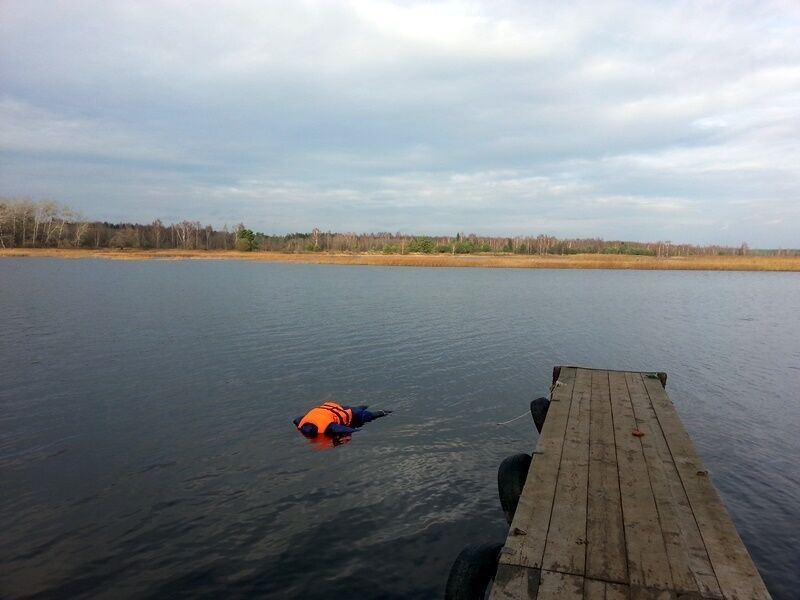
(146, 444)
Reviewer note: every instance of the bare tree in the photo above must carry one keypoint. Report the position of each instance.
(81, 227)
(209, 232)
(4, 218)
(158, 228)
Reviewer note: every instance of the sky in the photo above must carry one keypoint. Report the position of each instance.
(632, 120)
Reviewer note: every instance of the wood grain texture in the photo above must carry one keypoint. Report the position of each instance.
(617, 505)
(565, 550)
(605, 537)
(528, 532)
(560, 586)
(734, 568)
(689, 563)
(648, 565)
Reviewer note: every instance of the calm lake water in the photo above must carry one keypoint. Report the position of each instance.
(147, 449)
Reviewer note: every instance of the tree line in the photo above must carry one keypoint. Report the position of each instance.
(47, 224)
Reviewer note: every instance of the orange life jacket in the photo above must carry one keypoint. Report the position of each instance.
(324, 415)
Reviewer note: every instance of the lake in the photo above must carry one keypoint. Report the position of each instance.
(147, 449)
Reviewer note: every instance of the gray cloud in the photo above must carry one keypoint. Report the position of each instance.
(623, 120)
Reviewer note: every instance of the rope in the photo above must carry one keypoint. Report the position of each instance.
(555, 385)
(514, 419)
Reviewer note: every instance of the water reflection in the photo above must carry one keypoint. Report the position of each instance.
(327, 442)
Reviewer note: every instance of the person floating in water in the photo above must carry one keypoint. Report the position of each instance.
(333, 419)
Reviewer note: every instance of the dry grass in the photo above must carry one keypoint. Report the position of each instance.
(579, 261)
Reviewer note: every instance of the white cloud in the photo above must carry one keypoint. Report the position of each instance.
(27, 129)
(624, 116)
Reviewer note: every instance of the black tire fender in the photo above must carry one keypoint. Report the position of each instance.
(511, 476)
(472, 572)
(539, 412)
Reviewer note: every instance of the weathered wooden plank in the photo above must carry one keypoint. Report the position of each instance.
(600, 501)
(616, 591)
(594, 590)
(642, 593)
(602, 590)
(605, 536)
(689, 563)
(648, 565)
(560, 586)
(528, 532)
(737, 575)
(565, 550)
(513, 582)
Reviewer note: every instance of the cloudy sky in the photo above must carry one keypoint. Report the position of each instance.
(635, 120)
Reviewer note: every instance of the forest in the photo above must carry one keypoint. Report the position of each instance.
(46, 224)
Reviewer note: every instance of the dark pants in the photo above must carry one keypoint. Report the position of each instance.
(361, 416)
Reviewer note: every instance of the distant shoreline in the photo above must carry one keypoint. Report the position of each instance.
(576, 261)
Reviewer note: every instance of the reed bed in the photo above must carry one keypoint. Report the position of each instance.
(503, 261)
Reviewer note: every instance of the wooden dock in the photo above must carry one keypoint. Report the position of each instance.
(618, 505)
